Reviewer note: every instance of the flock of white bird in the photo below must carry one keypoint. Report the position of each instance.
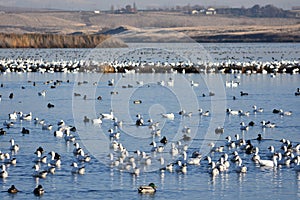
(22, 65)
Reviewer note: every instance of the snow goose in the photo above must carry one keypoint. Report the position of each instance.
(269, 163)
(107, 115)
(169, 116)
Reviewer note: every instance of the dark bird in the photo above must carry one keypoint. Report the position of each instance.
(12, 190)
(259, 137)
(39, 190)
(276, 111)
(298, 92)
(50, 105)
(25, 131)
(11, 95)
(251, 123)
(164, 140)
(243, 93)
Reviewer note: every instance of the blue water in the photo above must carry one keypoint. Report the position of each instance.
(106, 182)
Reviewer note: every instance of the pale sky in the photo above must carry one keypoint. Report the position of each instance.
(141, 4)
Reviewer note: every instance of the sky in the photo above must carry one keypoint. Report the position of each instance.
(141, 4)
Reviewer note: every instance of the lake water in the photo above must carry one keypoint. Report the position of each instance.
(106, 182)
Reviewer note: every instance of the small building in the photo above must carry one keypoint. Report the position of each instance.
(210, 11)
(97, 12)
(195, 12)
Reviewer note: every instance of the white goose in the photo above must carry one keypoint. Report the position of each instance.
(169, 116)
(107, 115)
(269, 163)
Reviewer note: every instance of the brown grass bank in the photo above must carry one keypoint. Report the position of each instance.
(39, 40)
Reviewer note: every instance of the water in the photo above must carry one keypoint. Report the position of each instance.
(103, 181)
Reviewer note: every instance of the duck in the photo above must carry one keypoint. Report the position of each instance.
(230, 143)
(256, 157)
(25, 131)
(76, 169)
(297, 93)
(13, 146)
(285, 113)
(147, 189)
(139, 121)
(256, 110)
(42, 93)
(111, 82)
(232, 112)
(202, 113)
(164, 140)
(267, 124)
(3, 173)
(244, 127)
(39, 190)
(55, 159)
(27, 117)
(244, 93)
(241, 168)
(39, 173)
(12, 190)
(13, 116)
(82, 157)
(259, 137)
(8, 124)
(219, 130)
(214, 171)
(7, 159)
(271, 152)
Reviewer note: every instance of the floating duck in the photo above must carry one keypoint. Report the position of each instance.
(12, 190)
(39, 190)
(150, 189)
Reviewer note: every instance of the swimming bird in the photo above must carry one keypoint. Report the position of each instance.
(42, 93)
(219, 130)
(13, 116)
(202, 113)
(13, 146)
(25, 131)
(230, 143)
(267, 124)
(244, 127)
(214, 171)
(12, 190)
(3, 173)
(97, 120)
(240, 168)
(164, 140)
(269, 163)
(107, 115)
(169, 116)
(297, 93)
(76, 169)
(27, 117)
(55, 159)
(39, 190)
(232, 112)
(139, 121)
(150, 189)
(243, 93)
(39, 173)
(285, 113)
(255, 109)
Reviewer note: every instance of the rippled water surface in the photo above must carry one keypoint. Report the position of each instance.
(101, 181)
